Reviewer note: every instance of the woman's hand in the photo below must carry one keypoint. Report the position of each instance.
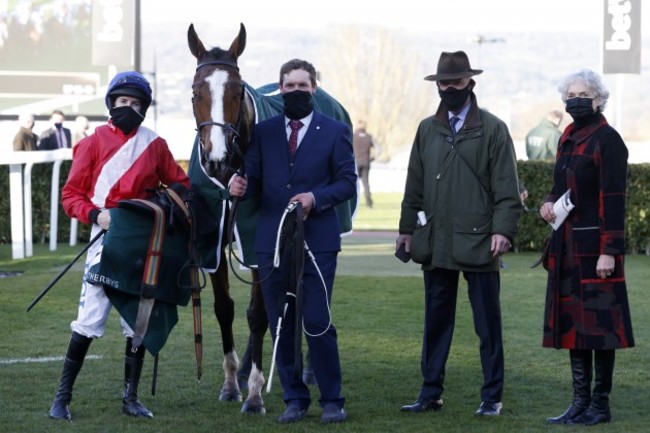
(546, 212)
(605, 266)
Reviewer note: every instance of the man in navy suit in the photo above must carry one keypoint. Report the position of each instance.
(301, 156)
(56, 137)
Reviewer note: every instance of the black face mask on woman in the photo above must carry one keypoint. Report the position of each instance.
(454, 99)
(579, 108)
(126, 118)
(297, 104)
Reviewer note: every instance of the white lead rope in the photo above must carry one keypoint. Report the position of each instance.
(276, 264)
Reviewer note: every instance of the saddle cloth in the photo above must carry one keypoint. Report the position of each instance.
(126, 264)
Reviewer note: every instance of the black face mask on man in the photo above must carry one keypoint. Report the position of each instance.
(579, 108)
(297, 104)
(454, 99)
(126, 118)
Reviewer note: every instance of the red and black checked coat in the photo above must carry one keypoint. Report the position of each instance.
(584, 311)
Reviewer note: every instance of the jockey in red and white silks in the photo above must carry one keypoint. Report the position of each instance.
(109, 166)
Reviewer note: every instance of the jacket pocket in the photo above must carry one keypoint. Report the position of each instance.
(586, 240)
(422, 244)
(471, 241)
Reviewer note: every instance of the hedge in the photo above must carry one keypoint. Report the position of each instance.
(537, 176)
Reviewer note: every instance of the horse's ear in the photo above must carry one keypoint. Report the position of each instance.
(238, 45)
(195, 44)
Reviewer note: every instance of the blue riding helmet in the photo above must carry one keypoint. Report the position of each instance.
(129, 83)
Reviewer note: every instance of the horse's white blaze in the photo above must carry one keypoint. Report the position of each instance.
(255, 381)
(217, 81)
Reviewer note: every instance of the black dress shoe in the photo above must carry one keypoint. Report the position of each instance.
(333, 413)
(423, 405)
(489, 409)
(293, 413)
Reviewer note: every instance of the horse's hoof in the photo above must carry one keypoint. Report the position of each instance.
(225, 395)
(254, 408)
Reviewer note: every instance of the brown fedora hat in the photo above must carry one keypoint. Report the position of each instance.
(452, 66)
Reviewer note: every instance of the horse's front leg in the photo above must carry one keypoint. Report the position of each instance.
(224, 309)
(258, 324)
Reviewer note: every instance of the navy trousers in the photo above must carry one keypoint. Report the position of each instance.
(323, 346)
(441, 290)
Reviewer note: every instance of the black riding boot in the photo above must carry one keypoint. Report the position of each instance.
(133, 361)
(581, 372)
(599, 408)
(74, 359)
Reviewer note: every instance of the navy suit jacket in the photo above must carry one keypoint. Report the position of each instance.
(48, 140)
(323, 165)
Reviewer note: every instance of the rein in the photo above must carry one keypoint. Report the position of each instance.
(281, 233)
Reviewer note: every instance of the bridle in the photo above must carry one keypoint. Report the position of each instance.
(232, 146)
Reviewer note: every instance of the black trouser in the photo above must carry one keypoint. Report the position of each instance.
(441, 290)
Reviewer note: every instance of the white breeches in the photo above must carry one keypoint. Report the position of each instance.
(94, 305)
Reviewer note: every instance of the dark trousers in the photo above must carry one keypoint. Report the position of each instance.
(323, 346)
(441, 290)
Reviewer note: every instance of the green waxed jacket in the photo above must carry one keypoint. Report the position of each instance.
(466, 205)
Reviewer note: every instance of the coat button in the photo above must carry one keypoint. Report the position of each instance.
(288, 186)
(474, 229)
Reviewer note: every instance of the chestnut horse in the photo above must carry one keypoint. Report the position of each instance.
(225, 118)
(226, 110)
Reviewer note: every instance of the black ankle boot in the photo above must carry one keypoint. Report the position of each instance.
(598, 411)
(133, 361)
(74, 358)
(581, 372)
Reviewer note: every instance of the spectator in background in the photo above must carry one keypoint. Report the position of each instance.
(55, 137)
(363, 155)
(80, 129)
(541, 141)
(25, 139)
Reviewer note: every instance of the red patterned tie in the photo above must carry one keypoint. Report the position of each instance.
(295, 126)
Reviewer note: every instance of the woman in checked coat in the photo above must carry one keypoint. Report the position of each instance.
(587, 310)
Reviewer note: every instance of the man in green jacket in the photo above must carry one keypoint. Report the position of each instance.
(461, 181)
(542, 140)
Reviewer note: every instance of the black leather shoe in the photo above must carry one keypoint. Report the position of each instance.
(333, 413)
(293, 413)
(489, 409)
(423, 405)
(60, 410)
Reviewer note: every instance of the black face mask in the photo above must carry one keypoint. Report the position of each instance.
(297, 104)
(126, 118)
(454, 99)
(58, 125)
(579, 108)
